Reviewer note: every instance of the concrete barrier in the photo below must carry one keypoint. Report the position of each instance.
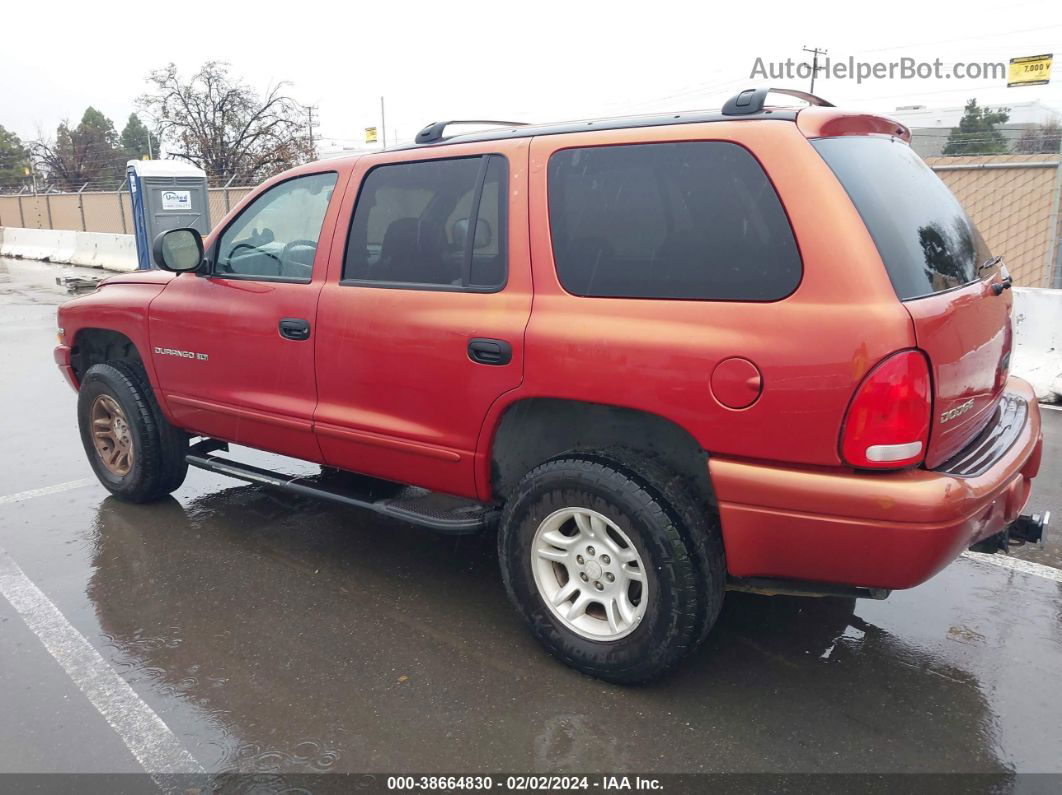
(43, 244)
(104, 250)
(1037, 355)
(88, 249)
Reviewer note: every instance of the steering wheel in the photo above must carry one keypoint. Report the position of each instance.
(286, 254)
(238, 246)
(310, 244)
(306, 243)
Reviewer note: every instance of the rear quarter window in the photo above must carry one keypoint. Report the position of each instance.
(696, 220)
(925, 238)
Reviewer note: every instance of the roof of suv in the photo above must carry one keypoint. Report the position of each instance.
(818, 118)
(747, 104)
(618, 123)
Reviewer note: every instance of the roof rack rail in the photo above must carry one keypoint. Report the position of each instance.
(433, 133)
(751, 100)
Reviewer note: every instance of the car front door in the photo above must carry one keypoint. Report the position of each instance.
(422, 319)
(233, 348)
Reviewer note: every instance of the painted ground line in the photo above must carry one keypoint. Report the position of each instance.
(150, 740)
(1016, 564)
(46, 490)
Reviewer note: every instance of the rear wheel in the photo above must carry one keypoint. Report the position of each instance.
(608, 573)
(136, 454)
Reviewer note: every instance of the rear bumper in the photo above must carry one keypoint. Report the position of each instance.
(875, 530)
(62, 358)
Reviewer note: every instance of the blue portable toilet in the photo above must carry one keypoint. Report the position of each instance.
(166, 194)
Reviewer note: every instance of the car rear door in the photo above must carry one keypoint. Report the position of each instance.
(421, 322)
(233, 349)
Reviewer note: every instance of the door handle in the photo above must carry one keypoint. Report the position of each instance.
(487, 351)
(294, 328)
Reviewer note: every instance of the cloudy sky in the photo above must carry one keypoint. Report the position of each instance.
(538, 60)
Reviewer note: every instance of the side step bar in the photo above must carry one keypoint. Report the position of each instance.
(440, 512)
(765, 586)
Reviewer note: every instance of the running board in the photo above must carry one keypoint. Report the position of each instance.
(766, 586)
(440, 512)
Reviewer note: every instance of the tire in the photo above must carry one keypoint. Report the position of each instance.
(700, 520)
(630, 506)
(118, 393)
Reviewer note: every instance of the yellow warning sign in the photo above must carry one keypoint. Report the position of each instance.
(1032, 70)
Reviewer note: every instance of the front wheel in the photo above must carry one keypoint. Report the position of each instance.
(136, 454)
(606, 570)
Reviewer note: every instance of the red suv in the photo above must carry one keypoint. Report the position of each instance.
(762, 349)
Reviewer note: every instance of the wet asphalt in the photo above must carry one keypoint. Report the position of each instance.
(279, 634)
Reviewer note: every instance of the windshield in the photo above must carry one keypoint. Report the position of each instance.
(926, 240)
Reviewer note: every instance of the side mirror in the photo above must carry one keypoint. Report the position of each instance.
(178, 250)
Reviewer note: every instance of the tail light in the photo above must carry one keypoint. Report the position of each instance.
(887, 425)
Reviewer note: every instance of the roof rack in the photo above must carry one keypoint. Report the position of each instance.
(433, 133)
(751, 100)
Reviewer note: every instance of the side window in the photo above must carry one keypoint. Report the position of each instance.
(695, 220)
(434, 223)
(275, 237)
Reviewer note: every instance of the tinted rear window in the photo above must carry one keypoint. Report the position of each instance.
(926, 240)
(672, 220)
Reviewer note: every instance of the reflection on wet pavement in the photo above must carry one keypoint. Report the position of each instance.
(321, 640)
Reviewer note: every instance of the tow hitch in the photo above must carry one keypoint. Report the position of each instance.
(1023, 530)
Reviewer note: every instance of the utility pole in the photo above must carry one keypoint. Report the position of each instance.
(815, 53)
(383, 123)
(310, 125)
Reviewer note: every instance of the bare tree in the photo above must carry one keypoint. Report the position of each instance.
(223, 126)
(1043, 138)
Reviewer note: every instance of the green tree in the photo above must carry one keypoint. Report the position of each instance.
(14, 161)
(977, 133)
(137, 140)
(89, 153)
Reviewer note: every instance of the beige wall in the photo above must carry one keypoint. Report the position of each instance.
(104, 212)
(1015, 209)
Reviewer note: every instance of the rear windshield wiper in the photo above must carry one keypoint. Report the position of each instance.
(990, 263)
(1005, 279)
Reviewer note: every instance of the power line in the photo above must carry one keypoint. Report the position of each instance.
(815, 53)
(310, 123)
(994, 35)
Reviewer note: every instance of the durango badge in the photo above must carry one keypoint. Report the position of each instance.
(202, 357)
(958, 411)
